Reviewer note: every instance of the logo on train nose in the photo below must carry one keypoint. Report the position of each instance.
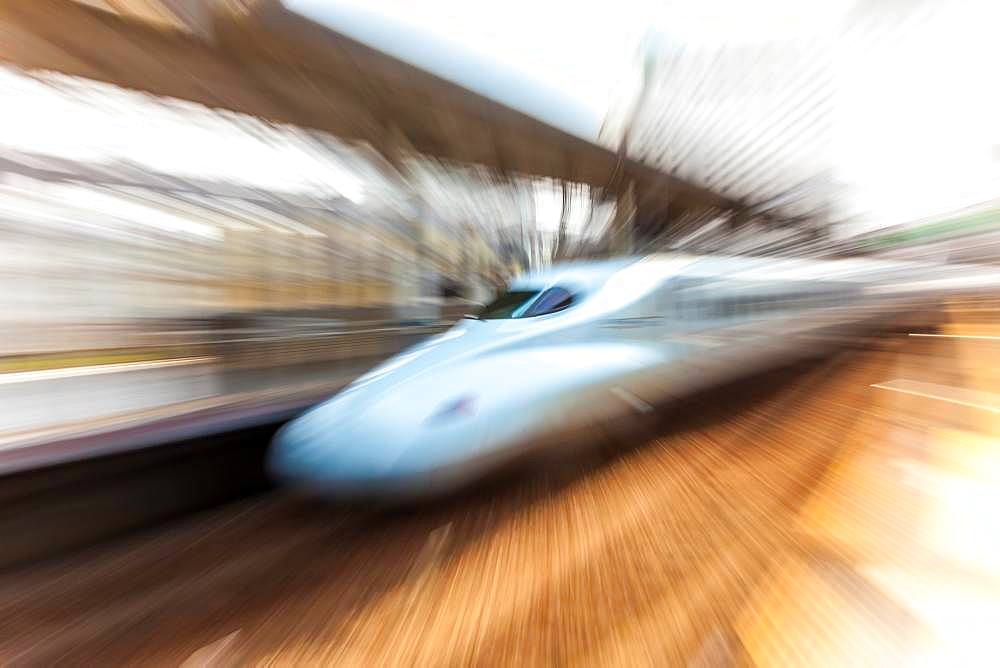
(461, 407)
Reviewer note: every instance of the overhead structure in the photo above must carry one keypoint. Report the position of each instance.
(753, 121)
(261, 59)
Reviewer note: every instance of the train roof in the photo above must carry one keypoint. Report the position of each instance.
(584, 275)
(588, 276)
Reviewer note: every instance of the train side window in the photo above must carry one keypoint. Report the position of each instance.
(664, 299)
(693, 307)
(688, 307)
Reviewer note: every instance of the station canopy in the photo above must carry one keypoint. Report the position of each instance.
(262, 59)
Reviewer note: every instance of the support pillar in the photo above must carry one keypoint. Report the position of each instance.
(621, 229)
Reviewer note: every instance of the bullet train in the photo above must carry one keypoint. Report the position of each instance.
(559, 355)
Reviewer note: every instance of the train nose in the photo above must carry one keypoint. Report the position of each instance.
(337, 452)
(296, 451)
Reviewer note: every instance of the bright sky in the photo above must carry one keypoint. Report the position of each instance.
(917, 129)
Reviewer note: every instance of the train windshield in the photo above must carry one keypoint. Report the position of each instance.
(527, 304)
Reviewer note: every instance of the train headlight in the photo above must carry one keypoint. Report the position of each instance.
(464, 406)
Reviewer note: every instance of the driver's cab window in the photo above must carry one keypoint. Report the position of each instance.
(528, 304)
(552, 300)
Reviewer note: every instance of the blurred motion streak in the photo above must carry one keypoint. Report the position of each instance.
(753, 246)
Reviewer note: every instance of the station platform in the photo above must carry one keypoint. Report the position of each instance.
(255, 376)
(52, 417)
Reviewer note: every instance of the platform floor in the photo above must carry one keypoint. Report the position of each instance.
(838, 513)
(77, 399)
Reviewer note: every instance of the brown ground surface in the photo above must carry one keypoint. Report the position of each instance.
(776, 522)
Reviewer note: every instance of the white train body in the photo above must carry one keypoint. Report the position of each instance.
(565, 351)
